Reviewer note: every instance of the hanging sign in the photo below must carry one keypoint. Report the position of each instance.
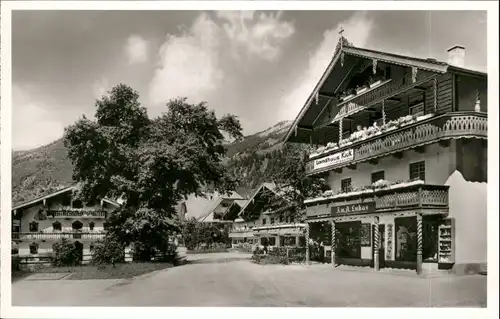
(334, 159)
(353, 209)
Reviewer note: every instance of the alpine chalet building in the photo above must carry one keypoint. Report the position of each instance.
(402, 143)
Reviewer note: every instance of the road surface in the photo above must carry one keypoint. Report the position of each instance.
(228, 280)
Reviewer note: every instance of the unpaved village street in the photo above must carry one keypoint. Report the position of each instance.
(230, 279)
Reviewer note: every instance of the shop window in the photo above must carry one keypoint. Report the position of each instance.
(264, 241)
(406, 238)
(378, 176)
(264, 221)
(430, 226)
(417, 171)
(272, 221)
(272, 241)
(345, 185)
(290, 241)
(348, 239)
(33, 226)
(302, 241)
(56, 225)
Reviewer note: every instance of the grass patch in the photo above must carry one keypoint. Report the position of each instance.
(85, 272)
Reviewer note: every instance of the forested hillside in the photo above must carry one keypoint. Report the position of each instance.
(43, 170)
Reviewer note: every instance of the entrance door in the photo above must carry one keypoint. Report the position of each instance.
(380, 247)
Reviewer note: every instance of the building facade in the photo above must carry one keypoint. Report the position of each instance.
(261, 225)
(402, 142)
(39, 223)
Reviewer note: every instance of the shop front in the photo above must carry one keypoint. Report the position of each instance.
(291, 235)
(366, 231)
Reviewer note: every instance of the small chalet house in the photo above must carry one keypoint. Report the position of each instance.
(38, 223)
(402, 142)
(258, 224)
(219, 204)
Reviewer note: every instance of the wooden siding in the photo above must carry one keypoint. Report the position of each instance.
(445, 93)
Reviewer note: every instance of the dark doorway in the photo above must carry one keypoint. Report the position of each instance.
(347, 237)
(430, 225)
(79, 250)
(381, 245)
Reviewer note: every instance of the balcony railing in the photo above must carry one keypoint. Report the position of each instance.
(396, 197)
(451, 125)
(57, 236)
(72, 213)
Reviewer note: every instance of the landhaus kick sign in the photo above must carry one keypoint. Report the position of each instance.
(354, 209)
(334, 159)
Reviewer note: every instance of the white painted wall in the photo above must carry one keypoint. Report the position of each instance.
(440, 162)
(469, 207)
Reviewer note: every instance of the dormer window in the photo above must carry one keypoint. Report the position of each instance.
(77, 204)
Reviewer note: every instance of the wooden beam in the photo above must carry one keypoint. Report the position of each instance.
(373, 161)
(398, 155)
(419, 88)
(328, 95)
(352, 167)
(394, 99)
(420, 149)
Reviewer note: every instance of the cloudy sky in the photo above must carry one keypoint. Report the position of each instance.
(260, 66)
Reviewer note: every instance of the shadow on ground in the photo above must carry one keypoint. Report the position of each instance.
(215, 260)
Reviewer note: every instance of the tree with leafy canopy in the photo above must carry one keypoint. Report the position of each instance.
(293, 186)
(149, 164)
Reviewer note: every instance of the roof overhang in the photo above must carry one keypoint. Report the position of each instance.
(298, 127)
(59, 192)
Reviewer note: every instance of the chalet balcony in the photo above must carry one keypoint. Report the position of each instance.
(380, 198)
(76, 213)
(407, 133)
(53, 236)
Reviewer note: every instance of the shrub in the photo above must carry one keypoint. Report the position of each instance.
(65, 253)
(108, 251)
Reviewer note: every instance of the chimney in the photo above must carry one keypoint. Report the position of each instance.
(456, 56)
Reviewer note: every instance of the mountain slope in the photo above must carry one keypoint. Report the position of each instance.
(45, 169)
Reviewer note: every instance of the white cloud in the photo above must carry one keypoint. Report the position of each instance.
(261, 35)
(357, 30)
(189, 63)
(192, 63)
(136, 49)
(100, 87)
(32, 124)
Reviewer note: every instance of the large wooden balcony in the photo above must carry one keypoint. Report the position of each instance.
(453, 125)
(75, 213)
(53, 236)
(411, 195)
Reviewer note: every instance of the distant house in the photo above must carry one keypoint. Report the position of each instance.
(259, 223)
(40, 222)
(215, 207)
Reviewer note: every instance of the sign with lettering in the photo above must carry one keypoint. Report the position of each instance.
(334, 159)
(354, 209)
